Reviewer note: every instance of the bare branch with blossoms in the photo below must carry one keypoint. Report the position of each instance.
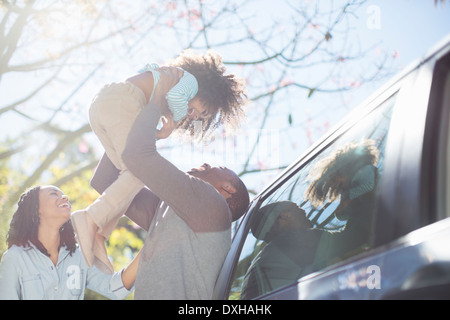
(55, 55)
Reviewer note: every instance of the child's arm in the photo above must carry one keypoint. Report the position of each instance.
(178, 96)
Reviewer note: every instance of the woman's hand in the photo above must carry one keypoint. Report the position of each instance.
(129, 272)
(168, 126)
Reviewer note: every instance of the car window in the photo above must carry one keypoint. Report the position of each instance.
(323, 214)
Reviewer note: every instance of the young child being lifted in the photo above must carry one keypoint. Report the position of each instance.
(203, 93)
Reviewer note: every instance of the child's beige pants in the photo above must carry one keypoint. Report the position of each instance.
(111, 115)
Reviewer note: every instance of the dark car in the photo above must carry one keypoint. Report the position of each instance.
(365, 212)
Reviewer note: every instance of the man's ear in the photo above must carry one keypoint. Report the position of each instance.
(228, 188)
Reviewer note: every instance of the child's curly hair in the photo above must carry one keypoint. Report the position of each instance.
(225, 95)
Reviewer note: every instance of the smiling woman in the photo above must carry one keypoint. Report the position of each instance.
(36, 204)
(43, 260)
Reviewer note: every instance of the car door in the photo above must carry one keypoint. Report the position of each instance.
(336, 224)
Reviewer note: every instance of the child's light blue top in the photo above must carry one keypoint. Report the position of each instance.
(179, 96)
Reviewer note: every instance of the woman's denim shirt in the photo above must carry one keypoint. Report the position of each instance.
(28, 274)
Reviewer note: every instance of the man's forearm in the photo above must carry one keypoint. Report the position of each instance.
(142, 158)
(188, 196)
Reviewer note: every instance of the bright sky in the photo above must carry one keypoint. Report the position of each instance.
(411, 27)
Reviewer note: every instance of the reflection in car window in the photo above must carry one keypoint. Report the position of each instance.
(322, 215)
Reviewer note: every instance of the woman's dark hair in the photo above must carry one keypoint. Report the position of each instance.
(24, 225)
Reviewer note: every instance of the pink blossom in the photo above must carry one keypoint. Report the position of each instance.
(194, 14)
(355, 84)
(286, 82)
(83, 147)
(172, 6)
